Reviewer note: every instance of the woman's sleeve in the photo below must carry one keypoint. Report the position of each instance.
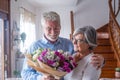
(91, 73)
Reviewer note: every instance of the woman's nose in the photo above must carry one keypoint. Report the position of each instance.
(53, 31)
(75, 42)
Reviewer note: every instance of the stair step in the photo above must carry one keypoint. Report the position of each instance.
(110, 69)
(103, 49)
(103, 42)
(104, 52)
(110, 63)
(104, 28)
(108, 74)
(102, 35)
(108, 55)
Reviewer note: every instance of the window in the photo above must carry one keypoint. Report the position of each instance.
(27, 29)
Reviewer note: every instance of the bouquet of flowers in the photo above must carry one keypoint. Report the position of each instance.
(56, 63)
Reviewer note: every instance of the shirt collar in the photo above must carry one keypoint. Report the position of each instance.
(47, 41)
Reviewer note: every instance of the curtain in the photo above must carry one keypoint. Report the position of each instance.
(27, 28)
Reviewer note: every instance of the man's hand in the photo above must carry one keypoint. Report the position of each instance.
(97, 60)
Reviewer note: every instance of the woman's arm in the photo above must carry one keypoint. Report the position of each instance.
(91, 72)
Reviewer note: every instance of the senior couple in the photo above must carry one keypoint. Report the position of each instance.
(81, 47)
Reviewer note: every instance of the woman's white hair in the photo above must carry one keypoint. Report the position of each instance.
(50, 16)
(90, 35)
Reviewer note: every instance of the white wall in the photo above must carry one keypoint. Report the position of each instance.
(91, 12)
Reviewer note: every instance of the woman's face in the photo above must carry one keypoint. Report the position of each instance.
(80, 44)
(52, 30)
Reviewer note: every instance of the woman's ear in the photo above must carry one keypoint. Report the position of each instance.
(90, 48)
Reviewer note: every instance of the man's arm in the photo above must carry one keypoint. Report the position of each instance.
(98, 60)
(29, 73)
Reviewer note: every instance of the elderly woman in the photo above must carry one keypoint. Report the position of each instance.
(84, 40)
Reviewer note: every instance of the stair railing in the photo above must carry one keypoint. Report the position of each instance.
(114, 30)
(72, 23)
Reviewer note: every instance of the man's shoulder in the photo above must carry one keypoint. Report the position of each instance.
(34, 46)
(65, 40)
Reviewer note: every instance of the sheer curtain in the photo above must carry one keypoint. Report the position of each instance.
(27, 26)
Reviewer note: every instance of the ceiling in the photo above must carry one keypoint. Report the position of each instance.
(52, 3)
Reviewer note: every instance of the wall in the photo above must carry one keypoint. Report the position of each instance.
(15, 17)
(118, 17)
(91, 12)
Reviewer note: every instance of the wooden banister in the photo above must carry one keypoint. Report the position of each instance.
(114, 31)
(72, 23)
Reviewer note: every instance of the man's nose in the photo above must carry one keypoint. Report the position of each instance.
(53, 31)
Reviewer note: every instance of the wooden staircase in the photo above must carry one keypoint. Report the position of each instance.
(104, 48)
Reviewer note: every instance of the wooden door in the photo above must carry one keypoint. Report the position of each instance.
(5, 41)
(5, 17)
(2, 49)
(4, 6)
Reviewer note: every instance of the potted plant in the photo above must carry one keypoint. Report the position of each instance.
(23, 37)
(117, 72)
(16, 73)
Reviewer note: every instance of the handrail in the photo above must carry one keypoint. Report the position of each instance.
(112, 15)
(114, 30)
(72, 23)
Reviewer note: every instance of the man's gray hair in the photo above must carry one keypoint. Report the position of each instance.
(90, 35)
(50, 16)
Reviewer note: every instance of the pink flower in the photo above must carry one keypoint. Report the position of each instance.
(58, 60)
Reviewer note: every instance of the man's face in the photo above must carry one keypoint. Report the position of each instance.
(52, 30)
